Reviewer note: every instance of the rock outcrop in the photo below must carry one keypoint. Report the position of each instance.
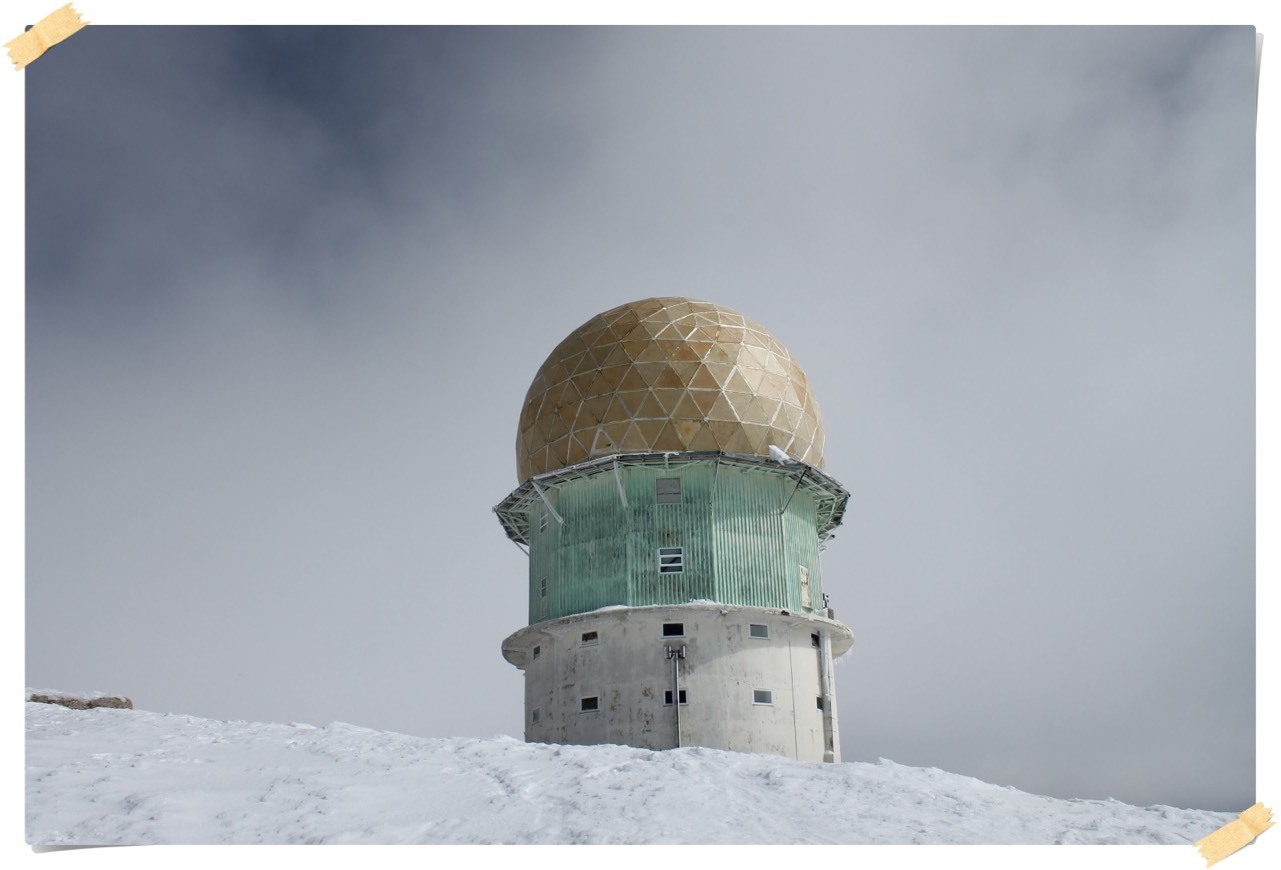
(80, 702)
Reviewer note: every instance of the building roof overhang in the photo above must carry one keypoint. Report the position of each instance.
(830, 498)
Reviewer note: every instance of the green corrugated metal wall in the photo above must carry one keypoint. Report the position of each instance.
(740, 547)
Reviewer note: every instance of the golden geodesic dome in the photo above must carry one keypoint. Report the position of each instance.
(666, 374)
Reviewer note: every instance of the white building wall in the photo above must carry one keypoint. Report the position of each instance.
(627, 670)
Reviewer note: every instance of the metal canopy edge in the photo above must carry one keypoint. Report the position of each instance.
(830, 497)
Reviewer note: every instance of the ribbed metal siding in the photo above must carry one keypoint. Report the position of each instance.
(585, 559)
(542, 564)
(799, 524)
(738, 549)
(684, 524)
(759, 546)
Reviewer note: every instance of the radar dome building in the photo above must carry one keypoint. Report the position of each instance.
(673, 506)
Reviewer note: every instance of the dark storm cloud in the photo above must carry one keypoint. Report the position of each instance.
(285, 147)
(272, 388)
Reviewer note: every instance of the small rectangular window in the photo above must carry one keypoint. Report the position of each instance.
(671, 560)
(756, 630)
(589, 705)
(673, 629)
(820, 702)
(590, 637)
(669, 490)
(538, 651)
(762, 696)
(536, 715)
(814, 641)
(667, 698)
(542, 588)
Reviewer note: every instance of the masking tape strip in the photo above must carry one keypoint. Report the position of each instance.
(48, 32)
(1239, 832)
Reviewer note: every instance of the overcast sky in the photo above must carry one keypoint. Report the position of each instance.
(286, 290)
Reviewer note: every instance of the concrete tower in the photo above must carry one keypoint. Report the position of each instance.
(673, 506)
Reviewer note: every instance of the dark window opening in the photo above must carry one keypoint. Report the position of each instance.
(536, 716)
(814, 641)
(671, 560)
(590, 637)
(667, 698)
(756, 630)
(538, 651)
(820, 702)
(762, 696)
(673, 629)
(588, 705)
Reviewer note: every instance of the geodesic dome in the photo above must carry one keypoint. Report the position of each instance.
(666, 374)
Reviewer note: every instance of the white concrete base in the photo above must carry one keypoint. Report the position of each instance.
(621, 658)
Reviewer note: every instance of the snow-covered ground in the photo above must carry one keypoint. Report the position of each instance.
(108, 776)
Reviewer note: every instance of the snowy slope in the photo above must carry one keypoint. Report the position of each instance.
(106, 776)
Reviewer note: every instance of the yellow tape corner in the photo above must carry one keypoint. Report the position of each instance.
(1239, 832)
(47, 32)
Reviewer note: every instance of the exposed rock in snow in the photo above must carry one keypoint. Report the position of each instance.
(79, 700)
(104, 776)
